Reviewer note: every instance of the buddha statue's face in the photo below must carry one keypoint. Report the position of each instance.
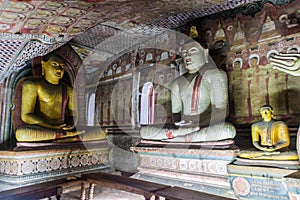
(266, 114)
(194, 56)
(53, 69)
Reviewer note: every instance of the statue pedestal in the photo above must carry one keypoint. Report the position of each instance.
(258, 182)
(195, 166)
(57, 160)
(292, 182)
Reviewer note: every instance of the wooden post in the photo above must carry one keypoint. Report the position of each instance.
(91, 191)
(82, 195)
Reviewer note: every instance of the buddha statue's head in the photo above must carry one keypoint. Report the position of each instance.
(53, 68)
(194, 56)
(266, 112)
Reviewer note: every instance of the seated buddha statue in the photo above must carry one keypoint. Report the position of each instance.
(270, 137)
(48, 107)
(199, 100)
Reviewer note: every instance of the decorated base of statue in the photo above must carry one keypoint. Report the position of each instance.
(284, 164)
(292, 182)
(46, 161)
(196, 166)
(258, 182)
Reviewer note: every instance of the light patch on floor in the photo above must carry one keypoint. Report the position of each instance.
(102, 193)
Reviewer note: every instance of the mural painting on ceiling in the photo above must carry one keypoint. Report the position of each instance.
(35, 28)
(249, 42)
(46, 17)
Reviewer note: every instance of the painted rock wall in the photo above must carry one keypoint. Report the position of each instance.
(242, 44)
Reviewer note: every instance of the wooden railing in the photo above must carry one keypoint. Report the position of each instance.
(144, 188)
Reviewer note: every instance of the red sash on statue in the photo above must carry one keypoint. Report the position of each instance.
(64, 101)
(196, 92)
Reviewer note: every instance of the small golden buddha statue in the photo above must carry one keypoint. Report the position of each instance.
(270, 137)
(268, 134)
(48, 107)
(193, 32)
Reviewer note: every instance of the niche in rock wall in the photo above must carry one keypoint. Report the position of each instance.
(136, 87)
(114, 92)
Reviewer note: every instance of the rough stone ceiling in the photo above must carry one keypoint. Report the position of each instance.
(34, 28)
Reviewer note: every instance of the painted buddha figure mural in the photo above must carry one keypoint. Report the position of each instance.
(48, 107)
(199, 102)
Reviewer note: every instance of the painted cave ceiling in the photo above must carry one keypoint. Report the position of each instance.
(97, 29)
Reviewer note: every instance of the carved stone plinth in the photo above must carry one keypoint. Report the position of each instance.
(292, 182)
(35, 163)
(193, 166)
(253, 182)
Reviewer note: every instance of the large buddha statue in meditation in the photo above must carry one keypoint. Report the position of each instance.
(199, 102)
(48, 107)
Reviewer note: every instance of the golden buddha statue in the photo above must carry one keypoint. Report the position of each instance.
(270, 137)
(48, 107)
(193, 32)
(199, 100)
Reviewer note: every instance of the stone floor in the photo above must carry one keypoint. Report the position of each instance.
(102, 193)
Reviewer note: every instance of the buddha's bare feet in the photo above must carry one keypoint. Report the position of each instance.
(94, 134)
(73, 133)
(256, 154)
(173, 133)
(183, 123)
(69, 139)
(185, 131)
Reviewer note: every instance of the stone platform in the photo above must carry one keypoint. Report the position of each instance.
(292, 182)
(196, 166)
(259, 182)
(32, 162)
